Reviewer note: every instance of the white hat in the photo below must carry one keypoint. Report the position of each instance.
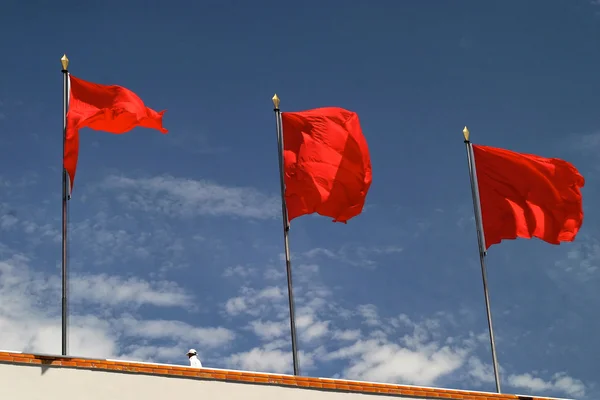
(192, 351)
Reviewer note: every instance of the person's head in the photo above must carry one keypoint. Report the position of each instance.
(191, 352)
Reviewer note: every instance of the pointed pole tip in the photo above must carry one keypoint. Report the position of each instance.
(64, 61)
(466, 133)
(276, 101)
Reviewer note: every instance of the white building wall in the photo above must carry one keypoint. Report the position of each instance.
(39, 382)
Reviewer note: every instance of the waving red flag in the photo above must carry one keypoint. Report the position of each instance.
(113, 109)
(327, 165)
(524, 195)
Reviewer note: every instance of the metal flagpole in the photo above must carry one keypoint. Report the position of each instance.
(482, 249)
(286, 231)
(65, 192)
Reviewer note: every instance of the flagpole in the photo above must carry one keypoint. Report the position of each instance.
(286, 230)
(482, 250)
(65, 71)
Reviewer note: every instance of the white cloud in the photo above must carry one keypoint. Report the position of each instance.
(239, 270)
(349, 334)
(189, 198)
(91, 289)
(560, 382)
(269, 359)
(409, 355)
(104, 231)
(39, 332)
(148, 353)
(41, 231)
(360, 342)
(27, 179)
(269, 330)
(274, 274)
(355, 255)
(397, 349)
(235, 305)
(369, 313)
(583, 259)
(480, 372)
(113, 290)
(176, 330)
(270, 293)
(262, 360)
(254, 302)
(381, 360)
(30, 315)
(29, 322)
(310, 328)
(7, 221)
(316, 252)
(316, 330)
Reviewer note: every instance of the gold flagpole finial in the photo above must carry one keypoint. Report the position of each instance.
(276, 101)
(65, 62)
(466, 134)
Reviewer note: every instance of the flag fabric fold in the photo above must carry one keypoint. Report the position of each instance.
(526, 196)
(108, 108)
(327, 166)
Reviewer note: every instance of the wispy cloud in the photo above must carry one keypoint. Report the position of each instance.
(369, 314)
(349, 334)
(363, 344)
(29, 318)
(583, 259)
(355, 255)
(103, 231)
(584, 146)
(389, 350)
(239, 271)
(183, 197)
(176, 330)
(559, 382)
(254, 302)
(7, 221)
(114, 290)
(269, 330)
(379, 359)
(149, 317)
(268, 359)
(26, 180)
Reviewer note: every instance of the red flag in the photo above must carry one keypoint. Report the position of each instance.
(327, 165)
(113, 109)
(524, 195)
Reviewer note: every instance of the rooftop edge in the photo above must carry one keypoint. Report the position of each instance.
(301, 382)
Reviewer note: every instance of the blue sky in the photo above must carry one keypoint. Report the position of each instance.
(176, 239)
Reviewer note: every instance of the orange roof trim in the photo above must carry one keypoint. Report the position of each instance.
(7, 357)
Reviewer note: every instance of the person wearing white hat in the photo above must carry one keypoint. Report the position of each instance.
(194, 361)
